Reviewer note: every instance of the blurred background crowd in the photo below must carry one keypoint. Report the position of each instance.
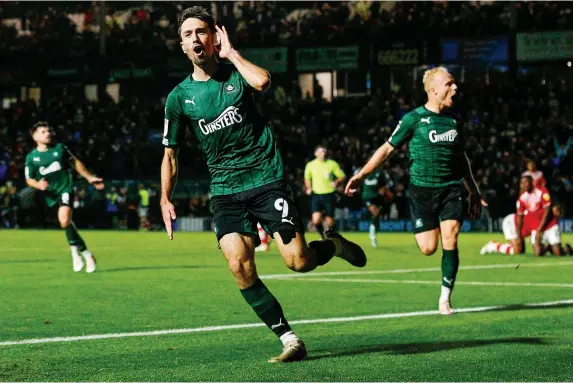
(510, 113)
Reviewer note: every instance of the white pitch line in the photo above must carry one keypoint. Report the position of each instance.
(417, 282)
(399, 271)
(251, 325)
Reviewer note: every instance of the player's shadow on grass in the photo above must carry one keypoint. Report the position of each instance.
(145, 268)
(421, 348)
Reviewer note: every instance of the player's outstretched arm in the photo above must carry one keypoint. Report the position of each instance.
(168, 181)
(84, 172)
(380, 156)
(256, 77)
(476, 199)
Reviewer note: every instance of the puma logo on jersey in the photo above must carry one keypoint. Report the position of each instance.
(425, 120)
(230, 116)
(449, 281)
(36, 159)
(449, 136)
(54, 167)
(55, 154)
(288, 220)
(192, 101)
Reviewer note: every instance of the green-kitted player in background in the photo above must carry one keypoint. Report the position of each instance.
(48, 169)
(438, 165)
(373, 194)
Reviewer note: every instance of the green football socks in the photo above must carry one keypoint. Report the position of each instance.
(74, 238)
(450, 264)
(267, 308)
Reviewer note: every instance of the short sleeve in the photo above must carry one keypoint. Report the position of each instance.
(520, 207)
(545, 198)
(30, 169)
(308, 171)
(174, 122)
(67, 154)
(403, 132)
(337, 170)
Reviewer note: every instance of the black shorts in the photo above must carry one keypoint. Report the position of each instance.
(324, 203)
(271, 205)
(429, 206)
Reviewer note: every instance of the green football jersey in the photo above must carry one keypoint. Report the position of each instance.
(54, 166)
(372, 184)
(435, 147)
(239, 145)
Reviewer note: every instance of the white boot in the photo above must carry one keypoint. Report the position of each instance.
(90, 261)
(77, 261)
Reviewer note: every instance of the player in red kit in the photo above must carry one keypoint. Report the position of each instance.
(516, 243)
(535, 203)
(536, 175)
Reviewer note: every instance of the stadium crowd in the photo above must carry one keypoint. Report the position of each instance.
(151, 27)
(505, 123)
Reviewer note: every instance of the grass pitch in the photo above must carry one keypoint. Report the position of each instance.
(146, 283)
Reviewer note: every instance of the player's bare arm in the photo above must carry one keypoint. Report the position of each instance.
(308, 186)
(256, 76)
(544, 221)
(84, 172)
(339, 181)
(519, 224)
(378, 158)
(168, 181)
(476, 199)
(40, 185)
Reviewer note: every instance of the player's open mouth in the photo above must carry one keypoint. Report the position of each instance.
(199, 50)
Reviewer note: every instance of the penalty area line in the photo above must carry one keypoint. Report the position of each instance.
(251, 325)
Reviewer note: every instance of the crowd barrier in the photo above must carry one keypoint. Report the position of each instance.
(394, 226)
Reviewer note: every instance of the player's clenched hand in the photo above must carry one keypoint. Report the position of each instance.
(226, 47)
(476, 202)
(43, 184)
(168, 212)
(353, 185)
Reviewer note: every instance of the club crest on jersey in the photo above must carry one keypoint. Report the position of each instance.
(230, 116)
(53, 167)
(230, 89)
(449, 136)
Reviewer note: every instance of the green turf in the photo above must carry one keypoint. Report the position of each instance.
(144, 282)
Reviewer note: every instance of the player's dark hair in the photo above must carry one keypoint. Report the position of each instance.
(528, 177)
(196, 12)
(38, 125)
(320, 146)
